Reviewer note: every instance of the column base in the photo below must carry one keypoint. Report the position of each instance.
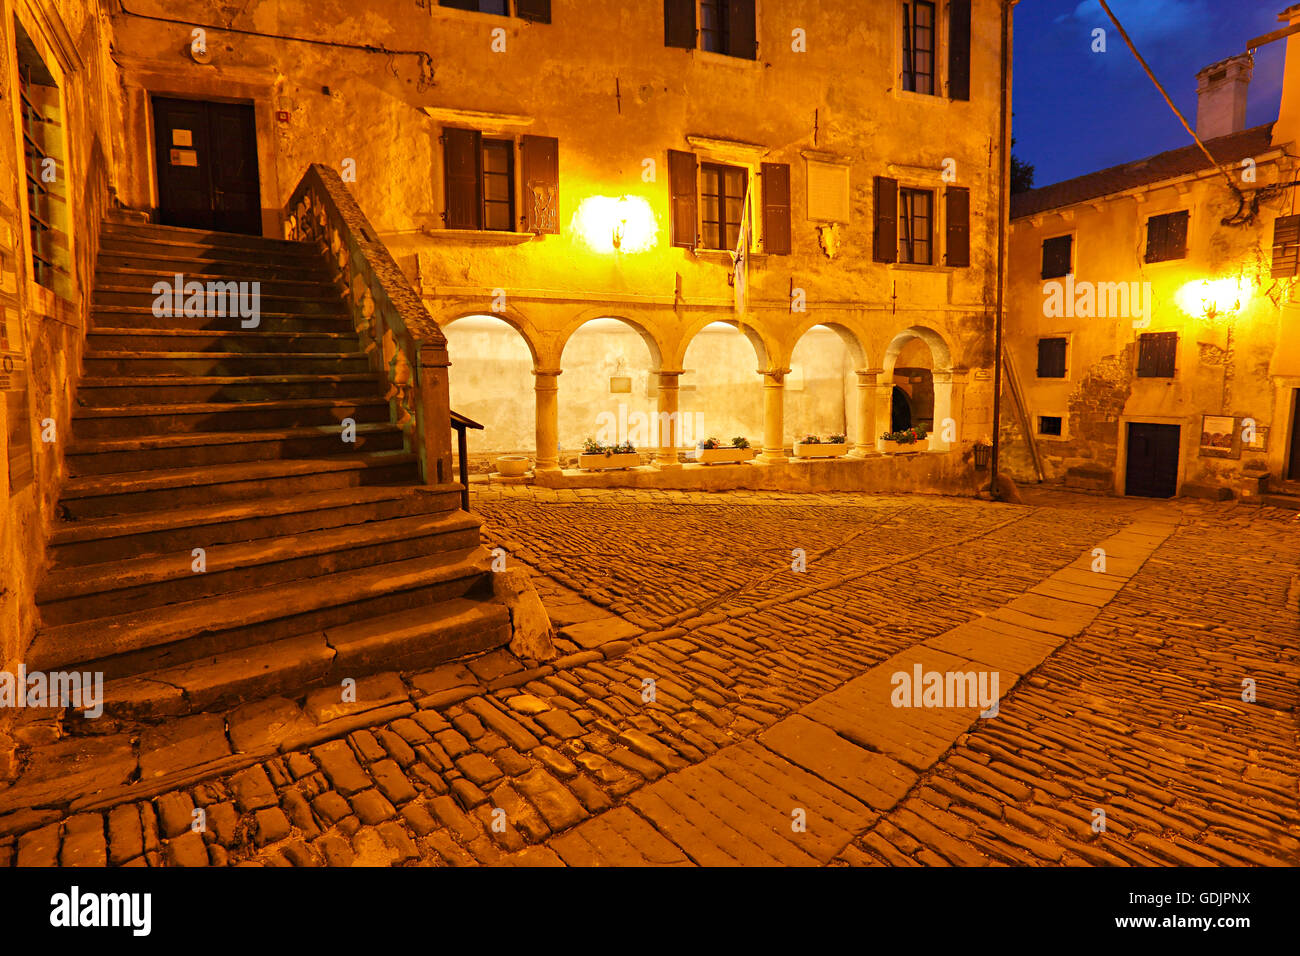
(673, 465)
(772, 459)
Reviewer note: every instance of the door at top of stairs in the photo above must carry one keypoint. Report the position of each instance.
(207, 165)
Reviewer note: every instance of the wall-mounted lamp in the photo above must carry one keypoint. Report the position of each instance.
(1214, 299)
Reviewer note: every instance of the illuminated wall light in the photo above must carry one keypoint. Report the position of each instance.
(1214, 298)
(623, 224)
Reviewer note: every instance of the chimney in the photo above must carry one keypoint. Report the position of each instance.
(1221, 96)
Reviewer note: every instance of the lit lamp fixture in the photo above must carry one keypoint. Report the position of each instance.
(1214, 299)
(623, 224)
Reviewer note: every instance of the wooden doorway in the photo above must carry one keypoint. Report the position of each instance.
(1152, 470)
(207, 165)
(1293, 458)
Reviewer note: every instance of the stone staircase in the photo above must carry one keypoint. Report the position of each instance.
(321, 558)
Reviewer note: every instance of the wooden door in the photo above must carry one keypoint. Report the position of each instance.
(207, 165)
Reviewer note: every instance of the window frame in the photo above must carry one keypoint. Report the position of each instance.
(1069, 266)
(724, 32)
(906, 222)
(1065, 358)
(511, 12)
(720, 170)
(1038, 426)
(508, 147)
(907, 49)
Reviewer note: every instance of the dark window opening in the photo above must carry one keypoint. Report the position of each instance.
(498, 185)
(34, 85)
(722, 204)
(714, 28)
(1051, 358)
(1057, 257)
(1157, 353)
(915, 218)
(918, 46)
(1049, 424)
(1167, 237)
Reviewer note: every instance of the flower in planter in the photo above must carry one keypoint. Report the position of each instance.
(710, 444)
(593, 447)
(624, 449)
(811, 440)
(740, 442)
(836, 440)
(908, 436)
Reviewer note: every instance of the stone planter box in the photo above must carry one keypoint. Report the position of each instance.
(820, 450)
(718, 456)
(608, 462)
(513, 466)
(894, 447)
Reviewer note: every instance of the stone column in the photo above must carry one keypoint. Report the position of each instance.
(884, 405)
(774, 415)
(547, 388)
(670, 429)
(868, 431)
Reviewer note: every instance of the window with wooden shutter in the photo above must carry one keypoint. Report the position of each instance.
(538, 11)
(776, 209)
(541, 182)
(918, 46)
(1157, 354)
(959, 49)
(722, 204)
(1167, 237)
(1051, 358)
(885, 234)
(462, 173)
(957, 214)
(1057, 256)
(742, 32)
(498, 185)
(682, 188)
(679, 23)
(1286, 246)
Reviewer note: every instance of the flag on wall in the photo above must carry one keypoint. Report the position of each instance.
(740, 259)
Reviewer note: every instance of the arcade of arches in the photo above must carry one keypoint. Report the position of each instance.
(611, 379)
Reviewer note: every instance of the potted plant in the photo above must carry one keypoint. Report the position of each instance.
(909, 439)
(513, 466)
(713, 452)
(812, 446)
(598, 457)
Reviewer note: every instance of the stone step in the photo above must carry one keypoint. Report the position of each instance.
(286, 319)
(114, 538)
(166, 251)
(134, 584)
(322, 298)
(108, 456)
(125, 390)
(1290, 502)
(137, 421)
(415, 639)
(257, 340)
(163, 490)
(206, 238)
(163, 265)
(221, 363)
(153, 638)
(141, 283)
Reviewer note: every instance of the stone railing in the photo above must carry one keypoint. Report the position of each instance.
(405, 345)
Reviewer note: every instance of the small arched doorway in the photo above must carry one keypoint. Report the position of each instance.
(900, 411)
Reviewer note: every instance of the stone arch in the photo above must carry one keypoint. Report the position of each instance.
(928, 387)
(721, 394)
(510, 316)
(609, 386)
(591, 315)
(493, 361)
(821, 390)
(765, 350)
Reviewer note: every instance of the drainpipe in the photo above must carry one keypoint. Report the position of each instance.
(1004, 184)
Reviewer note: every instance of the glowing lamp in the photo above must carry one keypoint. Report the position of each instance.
(1213, 299)
(607, 224)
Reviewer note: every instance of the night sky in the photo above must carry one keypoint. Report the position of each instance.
(1077, 111)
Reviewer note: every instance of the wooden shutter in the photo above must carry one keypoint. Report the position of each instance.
(1051, 358)
(679, 23)
(776, 209)
(1286, 246)
(959, 49)
(1167, 237)
(958, 225)
(462, 168)
(1157, 354)
(459, 4)
(743, 29)
(885, 236)
(541, 182)
(682, 186)
(539, 11)
(1056, 256)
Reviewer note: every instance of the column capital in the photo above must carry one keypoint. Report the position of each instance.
(868, 376)
(773, 376)
(665, 373)
(547, 372)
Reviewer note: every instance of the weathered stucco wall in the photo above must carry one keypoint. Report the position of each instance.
(601, 81)
(45, 326)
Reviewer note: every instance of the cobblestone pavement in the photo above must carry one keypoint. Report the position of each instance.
(714, 705)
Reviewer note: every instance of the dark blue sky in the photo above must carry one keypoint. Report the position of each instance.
(1077, 111)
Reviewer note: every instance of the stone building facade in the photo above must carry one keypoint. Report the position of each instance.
(1151, 329)
(543, 164)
